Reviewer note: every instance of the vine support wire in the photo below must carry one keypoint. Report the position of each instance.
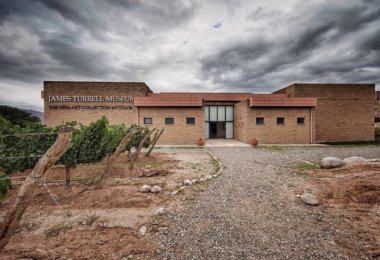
(50, 133)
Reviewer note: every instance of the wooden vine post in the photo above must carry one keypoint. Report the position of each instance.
(26, 192)
(141, 144)
(68, 176)
(155, 139)
(120, 148)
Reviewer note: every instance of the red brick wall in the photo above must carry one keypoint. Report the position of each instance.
(345, 112)
(271, 133)
(179, 132)
(240, 121)
(86, 116)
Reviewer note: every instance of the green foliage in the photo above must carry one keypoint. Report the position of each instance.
(134, 143)
(115, 134)
(5, 184)
(20, 151)
(87, 145)
(17, 116)
(90, 144)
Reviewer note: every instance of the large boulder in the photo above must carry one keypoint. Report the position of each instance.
(331, 162)
(354, 160)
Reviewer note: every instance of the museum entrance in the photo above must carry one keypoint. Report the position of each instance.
(219, 122)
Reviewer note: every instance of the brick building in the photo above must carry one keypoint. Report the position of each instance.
(377, 107)
(299, 113)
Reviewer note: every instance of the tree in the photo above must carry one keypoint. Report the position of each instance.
(17, 116)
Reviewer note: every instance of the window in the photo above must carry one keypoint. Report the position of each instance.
(190, 120)
(259, 120)
(300, 120)
(169, 121)
(280, 120)
(148, 121)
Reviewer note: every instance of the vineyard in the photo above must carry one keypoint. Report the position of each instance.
(74, 168)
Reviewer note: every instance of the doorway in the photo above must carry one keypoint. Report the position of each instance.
(217, 130)
(219, 122)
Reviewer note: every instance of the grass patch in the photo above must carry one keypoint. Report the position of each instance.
(304, 166)
(89, 220)
(356, 143)
(125, 165)
(56, 229)
(216, 165)
(273, 148)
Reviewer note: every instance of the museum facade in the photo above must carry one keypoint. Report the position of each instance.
(297, 114)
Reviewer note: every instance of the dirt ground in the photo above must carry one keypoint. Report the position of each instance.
(353, 192)
(64, 223)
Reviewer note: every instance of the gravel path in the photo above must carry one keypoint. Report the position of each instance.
(251, 211)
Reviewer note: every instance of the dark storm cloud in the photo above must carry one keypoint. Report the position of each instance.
(63, 32)
(324, 29)
(79, 60)
(191, 44)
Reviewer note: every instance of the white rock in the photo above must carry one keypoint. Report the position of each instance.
(331, 162)
(174, 192)
(160, 211)
(309, 199)
(182, 188)
(215, 175)
(145, 188)
(208, 177)
(187, 182)
(142, 231)
(202, 179)
(194, 181)
(374, 160)
(354, 160)
(155, 189)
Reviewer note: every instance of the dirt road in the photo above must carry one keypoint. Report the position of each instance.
(252, 211)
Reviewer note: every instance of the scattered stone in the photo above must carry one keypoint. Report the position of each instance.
(298, 196)
(142, 231)
(202, 179)
(155, 189)
(354, 160)
(331, 162)
(174, 192)
(182, 188)
(208, 177)
(160, 229)
(145, 188)
(187, 182)
(160, 211)
(215, 175)
(309, 199)
(39, 254)
(194, 181)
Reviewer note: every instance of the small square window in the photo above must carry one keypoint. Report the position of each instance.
(148, 121)
(169, 121)
(259, 120)
(300, 120)
(190, 120)
(280, 120)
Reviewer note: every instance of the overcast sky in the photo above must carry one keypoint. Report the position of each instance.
(235, 46)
